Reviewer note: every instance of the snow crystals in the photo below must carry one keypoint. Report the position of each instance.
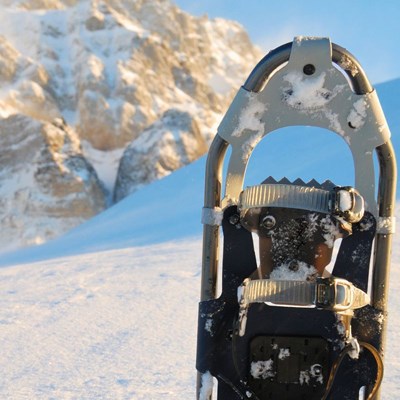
(358, 114)
(304, 377)
(249, 118)
(206, 386)
(341, 329)
(334, 124)
(347, 64)
(345, 200)
(386, 225)
(305, 92)
(331, 231)
(262, 369)
(354, 353)
(208, 326)
(250, 123)
(284, 353)
(212, 216)
(303, 272)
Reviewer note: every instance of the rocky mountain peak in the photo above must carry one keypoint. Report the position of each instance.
(117, 72)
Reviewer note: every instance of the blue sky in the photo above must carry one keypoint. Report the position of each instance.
(370, 29)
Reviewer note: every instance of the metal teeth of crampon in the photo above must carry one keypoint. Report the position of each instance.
(327, 185)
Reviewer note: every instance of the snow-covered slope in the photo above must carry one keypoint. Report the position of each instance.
(111, 325)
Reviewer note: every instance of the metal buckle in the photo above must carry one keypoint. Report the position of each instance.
(334, 294)
(347, 203)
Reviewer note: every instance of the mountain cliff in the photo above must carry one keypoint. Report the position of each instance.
(113, 77)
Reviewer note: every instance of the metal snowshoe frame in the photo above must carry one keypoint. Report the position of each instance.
(346, 104)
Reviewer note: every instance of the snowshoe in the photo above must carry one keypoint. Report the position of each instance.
(284, 327)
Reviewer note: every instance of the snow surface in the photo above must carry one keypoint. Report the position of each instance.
(105, 163)
(110, 325)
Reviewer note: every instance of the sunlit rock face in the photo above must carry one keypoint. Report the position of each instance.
(47, 185)
(168, 144)
(112, 74)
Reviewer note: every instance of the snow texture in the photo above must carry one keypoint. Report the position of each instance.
(346, 64)
(345, 201)
(206, 387)
(356, 118)
(334, 124)
(208, 326)
(107, 325)
(284, 273)
(262, 369)
(354, 353)
(284, 353)
(315, 372)
(250, 124)
(386, 224)
(249, 118)
(331, 231)
(304, 377)
(212, 216)
(308, 93)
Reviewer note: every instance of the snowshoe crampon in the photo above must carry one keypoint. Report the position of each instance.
(284, 327)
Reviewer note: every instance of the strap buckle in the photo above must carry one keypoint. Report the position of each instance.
(347, 203)
(331, 294)
(339, 295)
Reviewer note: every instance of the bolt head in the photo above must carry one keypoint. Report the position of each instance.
(309, 69)
(234, 219)
(316, 370)
(268, 222)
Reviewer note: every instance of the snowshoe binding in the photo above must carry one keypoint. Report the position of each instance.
(284, 327)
